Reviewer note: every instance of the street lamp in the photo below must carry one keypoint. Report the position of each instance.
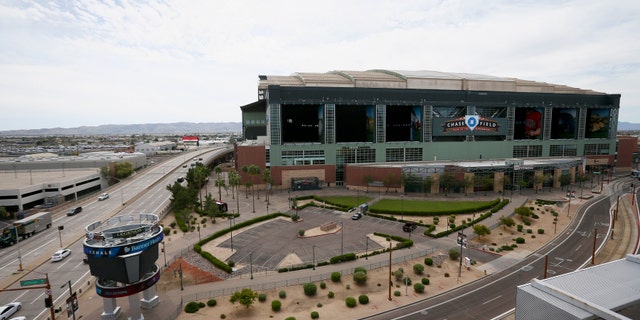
(251, 264)
(366, 248)
(71, 306)
(314, 256)
(164, 252)
(341, 238)
(402, 207)
(231, 229)
(19, 251)
(180, 271)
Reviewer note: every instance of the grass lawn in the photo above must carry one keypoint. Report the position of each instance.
(426, 206)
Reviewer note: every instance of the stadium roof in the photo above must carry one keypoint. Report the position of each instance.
(399, 79)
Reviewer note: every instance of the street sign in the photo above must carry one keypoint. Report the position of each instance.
(32, 282)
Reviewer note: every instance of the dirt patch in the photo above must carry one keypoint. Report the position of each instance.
(191, 275)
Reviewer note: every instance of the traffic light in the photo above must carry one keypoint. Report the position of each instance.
(48, 303)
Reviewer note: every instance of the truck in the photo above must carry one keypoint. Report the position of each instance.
(8, 237)
(33, 224)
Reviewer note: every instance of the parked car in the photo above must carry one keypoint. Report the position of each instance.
(8, 309)
(180, 179)
(60, 255)
(184, 165)
(103, 196)
(409, 226)
(356, 216)
(74, 211)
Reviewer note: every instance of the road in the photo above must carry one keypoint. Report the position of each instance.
(145, 192)
(494, 295)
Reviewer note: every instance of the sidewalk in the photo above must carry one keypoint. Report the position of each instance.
(170, 302)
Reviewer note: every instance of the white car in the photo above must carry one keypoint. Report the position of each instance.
(8, 309)
(60, 255)
(103, 196)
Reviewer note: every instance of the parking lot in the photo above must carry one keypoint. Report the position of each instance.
(267, 245)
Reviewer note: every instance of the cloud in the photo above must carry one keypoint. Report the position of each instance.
(68, 64)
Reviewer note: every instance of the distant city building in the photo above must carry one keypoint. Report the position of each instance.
(153, 148)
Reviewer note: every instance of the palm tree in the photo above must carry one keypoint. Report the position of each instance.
(266, 178)
(254, 171)
(245, 170)
(234, 182)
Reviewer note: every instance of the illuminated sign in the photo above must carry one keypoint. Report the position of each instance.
(115, 251)
(128, 233)
(109, 292)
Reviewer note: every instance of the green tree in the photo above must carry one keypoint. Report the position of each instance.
(367, 179)
(235, 182)
(245, 170)
(427, 182)
(447, 181)
(481, 230)
(220, 182)
(389, 181)
(507, 222)
(268, 181)
(524, 213)
(254, 171)
(182, 197)
(197, 178)
(4, 214)
(246, 297)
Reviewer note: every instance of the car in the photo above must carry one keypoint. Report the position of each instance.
(409, 226)
(74, 211)
(19, 318)
(356, 216)
(60, 255)
(8, 309)
(184, 165)
(103, 196)
(180, 179)
(85, 259)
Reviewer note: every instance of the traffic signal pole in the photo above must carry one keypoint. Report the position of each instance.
(48, 301)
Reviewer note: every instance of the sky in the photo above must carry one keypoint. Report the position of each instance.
(86, 63)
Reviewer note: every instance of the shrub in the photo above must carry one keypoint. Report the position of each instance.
(192, 307)
(276, 305)
(310, 289)
(201, 305)
(360, 277)
(446, 274)
(425, 281)
(282, 294)
(520, 227)
(231, 263)
(315, 315)
(397, 293)
(319, 305)
(330, 295)
(356, 269)
(363, 299)
(223, 316)
(301, 232)
(428, 261)
(418, 268)
(529, 231)
(290, 318)
(335, 276)
(262, 297)
(399, 274)
(295, 217)
(454, 254)
(350, 302)
(406, 281)
(418, 287)
(540, 231)
(212, 303)
(323, 285)
(520, 240)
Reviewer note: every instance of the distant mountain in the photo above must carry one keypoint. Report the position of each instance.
(628, 126)
(129, 129)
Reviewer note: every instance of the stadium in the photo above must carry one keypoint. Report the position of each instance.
(408, 130)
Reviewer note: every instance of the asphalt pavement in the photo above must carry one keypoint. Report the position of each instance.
(91, 305)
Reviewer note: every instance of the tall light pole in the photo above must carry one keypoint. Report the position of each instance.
(181, 285)
(70, 306)
(231, 230)
(251, 264)
(164, 252)
(366, 248)
(402, 207)
(19, 251)
(341, 238)
(314, 256)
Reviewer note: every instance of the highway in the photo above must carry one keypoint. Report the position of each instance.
(144, 192)
(494, 295)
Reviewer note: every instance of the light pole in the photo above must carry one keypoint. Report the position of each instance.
(231, 230)
(251, 264)
(366, 248)
(164, 252)
(341, 238)
(60, 228)
(461, 242)
(70, 306)
(314, 256)
(402, 207)
(199, 238)
(180, 271)
(19, 251)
